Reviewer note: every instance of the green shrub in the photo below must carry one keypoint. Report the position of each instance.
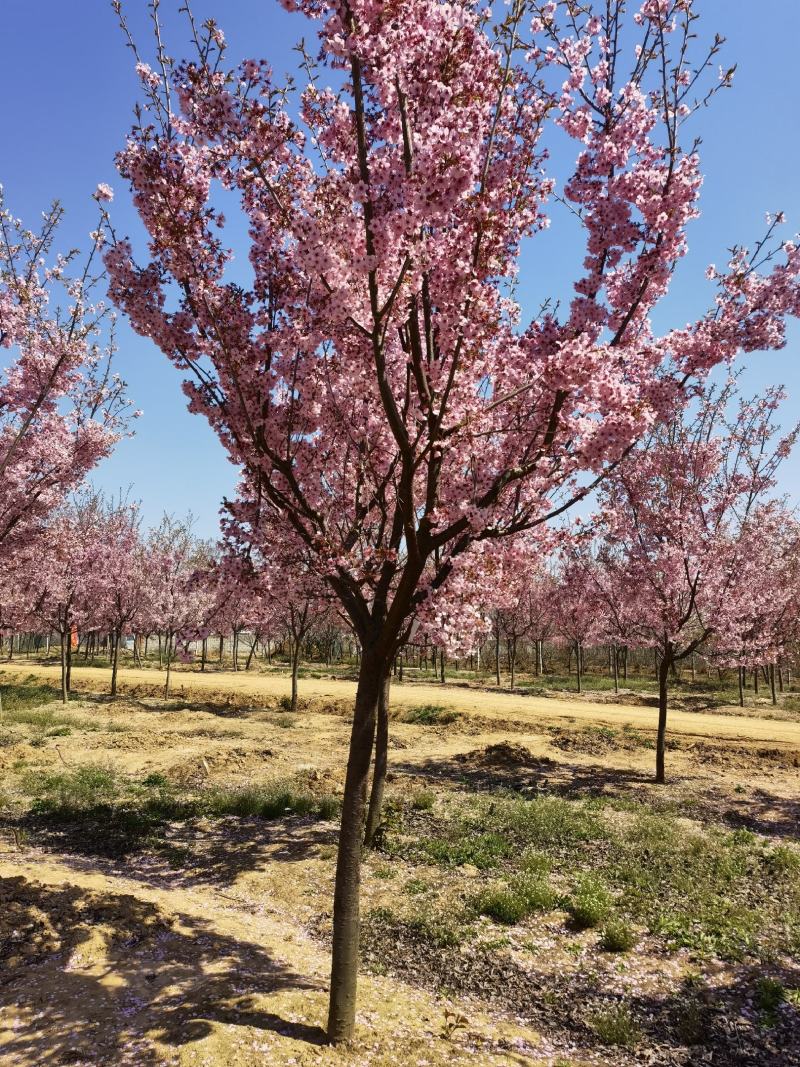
(616, 1026)
(617, 936)
(502, 904)
(512, 902)
(423, 800)
(589, 904)
(429, 715)
(770, 994)
(156, 780)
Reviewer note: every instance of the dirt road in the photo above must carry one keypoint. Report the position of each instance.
(470, 702)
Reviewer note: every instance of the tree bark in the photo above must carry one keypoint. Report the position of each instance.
(345, 943)
(615, 665)
(772, 683)
(578, 665)
(661, 740)
(740, 675)
(64, 689)
(295, 669)
(381, 763)
(115, 661)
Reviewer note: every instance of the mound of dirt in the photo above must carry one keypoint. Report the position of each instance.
(503, 756)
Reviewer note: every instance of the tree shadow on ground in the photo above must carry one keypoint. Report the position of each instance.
(191, 851)
(98, 976)
(510, 766)
(696, 1022)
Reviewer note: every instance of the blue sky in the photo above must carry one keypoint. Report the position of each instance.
(67, 89)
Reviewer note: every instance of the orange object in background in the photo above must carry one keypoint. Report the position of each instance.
(73, 637)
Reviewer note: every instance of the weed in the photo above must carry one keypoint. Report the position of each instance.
(616, 1026)
(480, 850)
(423, 800)
(589, 904)
(429, 715)
(617, 936)
(416, 886)
(70, 791)
(770, 994)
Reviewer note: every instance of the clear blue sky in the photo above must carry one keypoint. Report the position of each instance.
(67, 88)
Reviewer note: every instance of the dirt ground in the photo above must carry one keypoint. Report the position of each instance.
(208, 956)
(472, 702)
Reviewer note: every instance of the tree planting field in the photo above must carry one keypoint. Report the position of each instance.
(167, 870)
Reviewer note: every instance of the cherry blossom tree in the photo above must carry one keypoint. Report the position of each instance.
(374, 379)
(61, 407)
(179, 601)
(689, 522)
(577, 609)
(122, 566)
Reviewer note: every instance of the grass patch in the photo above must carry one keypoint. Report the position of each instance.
(617, 936)
(111, 814)
(428, 715)
(514, 901)
(616, 1026)
(717, 893)
(589, 904)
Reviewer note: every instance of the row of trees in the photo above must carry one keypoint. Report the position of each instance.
(689, 553)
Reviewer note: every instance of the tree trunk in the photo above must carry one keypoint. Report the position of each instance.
(295, 669)
(615, 665)
(661, 740)
(168, 649)
(755, 681)
(69, 662)
(115, 661)
(381, 763)
(64, 688)
(512, 656)
(578, 665)
(625, 664)
(203, 654)
(772, 683)
(497, 658)
(345, 941)
(740, 674)
(441, 665)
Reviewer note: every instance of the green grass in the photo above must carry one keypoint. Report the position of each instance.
(121, 814)
(513, 901)
(617, 936)
(616, 1026)
(590, 904)
(714, 892)
(427, 715)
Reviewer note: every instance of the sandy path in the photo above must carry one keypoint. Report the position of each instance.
(487, 705)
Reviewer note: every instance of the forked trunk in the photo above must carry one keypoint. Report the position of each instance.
(345, 945)
(381, 763)
(661, 740)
